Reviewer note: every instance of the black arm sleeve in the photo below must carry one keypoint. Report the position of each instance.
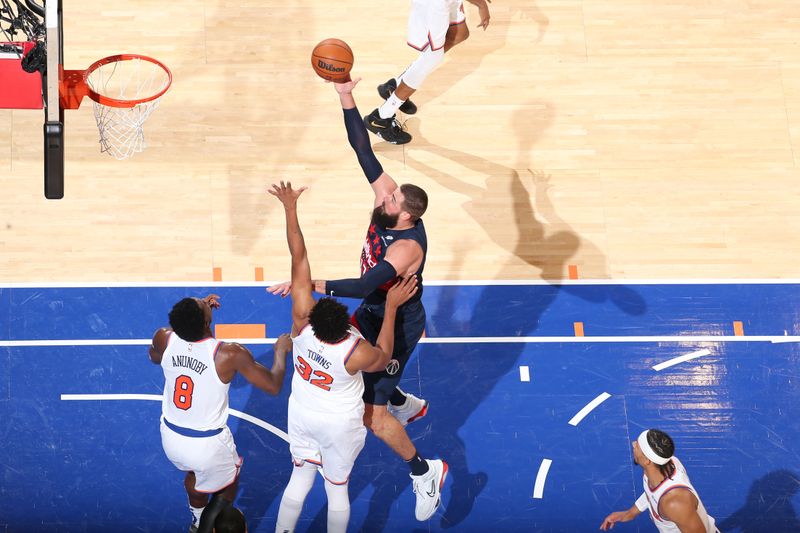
(359, 140)
(361, 287)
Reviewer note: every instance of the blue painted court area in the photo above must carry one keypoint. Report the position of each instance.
(97, 465)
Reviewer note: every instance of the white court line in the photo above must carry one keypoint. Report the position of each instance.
(575, 420)
(680, 359)
(442, 340)
(158, 397)
(538, 487)
(524, 373)
(73, 397)
(430, 283)
(77, 342)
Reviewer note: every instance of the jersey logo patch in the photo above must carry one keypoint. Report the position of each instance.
(393, 367)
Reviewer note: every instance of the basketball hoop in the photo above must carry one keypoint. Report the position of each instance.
(125, 90)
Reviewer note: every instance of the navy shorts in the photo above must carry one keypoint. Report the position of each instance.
(408, 328)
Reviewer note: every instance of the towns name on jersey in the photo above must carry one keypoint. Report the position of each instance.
(189, 362)
(314, 356)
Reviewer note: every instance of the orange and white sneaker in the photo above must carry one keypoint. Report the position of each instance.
(428, 488)
(414, 409)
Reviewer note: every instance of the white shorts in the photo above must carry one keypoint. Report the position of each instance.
(330, 441)
(429, 21)
(213, 460)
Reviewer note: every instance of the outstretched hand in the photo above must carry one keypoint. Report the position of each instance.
(612, 519)
(283, 344)
(402, 291)
(285, 193)
(280, 289)
(212, 300)
(345, 87)
(483, 12)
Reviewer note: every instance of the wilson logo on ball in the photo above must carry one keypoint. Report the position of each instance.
(327, 66)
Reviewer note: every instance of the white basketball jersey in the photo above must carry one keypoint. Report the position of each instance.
(678, 480)
(194, 396)
(321, 381)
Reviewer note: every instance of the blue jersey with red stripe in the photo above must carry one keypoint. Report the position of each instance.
(377, 242)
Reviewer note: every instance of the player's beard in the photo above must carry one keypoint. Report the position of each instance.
(383, 220)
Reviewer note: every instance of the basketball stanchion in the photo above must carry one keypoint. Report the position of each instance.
(125, 90)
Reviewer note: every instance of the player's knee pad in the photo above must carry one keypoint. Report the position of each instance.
(422, 67)
(338, 497)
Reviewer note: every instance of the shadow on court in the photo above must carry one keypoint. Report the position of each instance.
(267, 463)
(768, 507)
(456, 386)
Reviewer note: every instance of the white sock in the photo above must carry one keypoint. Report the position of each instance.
(196, 512)
(390, 106)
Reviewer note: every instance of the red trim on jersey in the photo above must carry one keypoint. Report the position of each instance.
(663, 480)
(202, 340)
(238, 466)
(332, 482)
(340, 342)
(347, 357)
(430, 41)
(418, 49)
(655, 512)
(675, 487)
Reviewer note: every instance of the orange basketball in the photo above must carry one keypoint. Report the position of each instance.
(332, 60)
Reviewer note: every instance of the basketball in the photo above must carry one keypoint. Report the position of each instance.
(332, 60)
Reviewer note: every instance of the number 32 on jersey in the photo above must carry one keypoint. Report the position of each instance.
(315, 377)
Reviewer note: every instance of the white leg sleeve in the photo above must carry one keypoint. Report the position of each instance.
(293, 497)
(338, 507)
(422, 67)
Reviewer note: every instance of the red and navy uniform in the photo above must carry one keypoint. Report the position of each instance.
(377, 242)
(410, 321)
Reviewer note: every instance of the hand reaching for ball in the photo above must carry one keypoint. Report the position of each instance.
(346, 87)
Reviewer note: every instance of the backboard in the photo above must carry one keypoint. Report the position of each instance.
(54, 112)
(31, 59)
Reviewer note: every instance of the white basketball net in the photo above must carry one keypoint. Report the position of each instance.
(121, 129)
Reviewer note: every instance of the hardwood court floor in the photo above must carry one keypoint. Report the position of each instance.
(634, 139)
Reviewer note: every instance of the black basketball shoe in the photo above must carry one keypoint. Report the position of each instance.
(387, 129)
(385, 90)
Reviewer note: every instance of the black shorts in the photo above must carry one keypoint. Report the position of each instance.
(408, 329)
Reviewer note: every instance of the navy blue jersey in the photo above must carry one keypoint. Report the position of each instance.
(377, 242)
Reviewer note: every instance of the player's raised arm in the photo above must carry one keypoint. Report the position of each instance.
(382, 184)
(301, 286)
(375, 358)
